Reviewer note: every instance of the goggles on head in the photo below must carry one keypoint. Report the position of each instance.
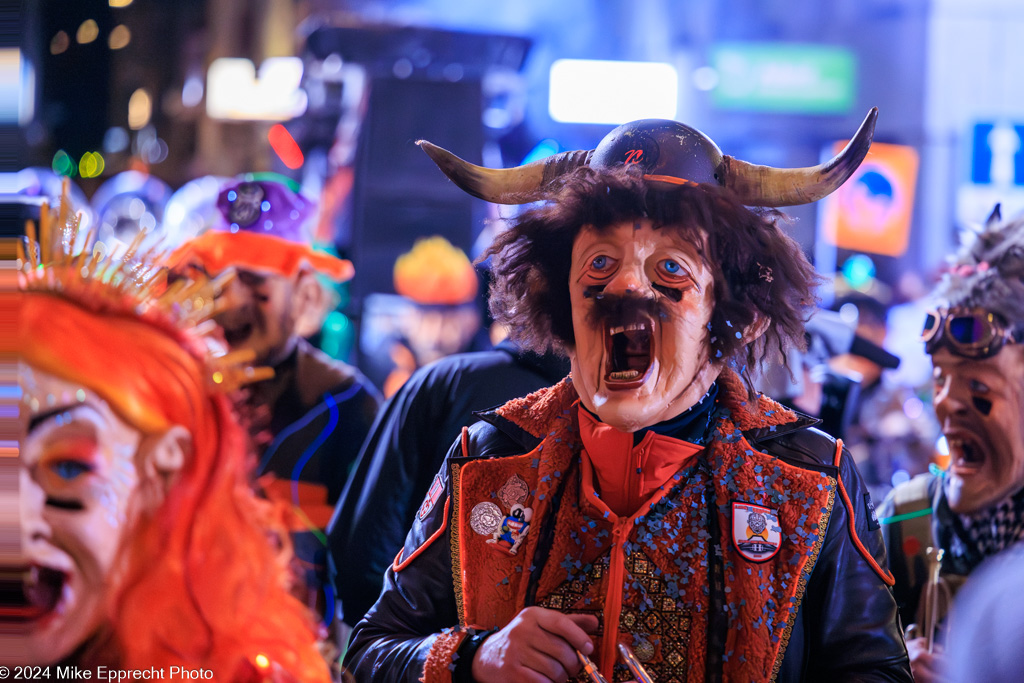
(968, 332)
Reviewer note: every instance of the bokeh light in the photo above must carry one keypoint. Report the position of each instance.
(63, 164)
(285, 146)
(88, 31)
(91, 165)
(140, 109)
(119, 37)
(859, 270)
(60, 42)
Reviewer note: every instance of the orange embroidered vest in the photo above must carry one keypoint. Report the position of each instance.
(644, 576)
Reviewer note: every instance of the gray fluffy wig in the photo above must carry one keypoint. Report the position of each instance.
(988, 270)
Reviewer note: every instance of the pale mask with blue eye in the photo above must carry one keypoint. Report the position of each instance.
(653, 362)
(77, 485)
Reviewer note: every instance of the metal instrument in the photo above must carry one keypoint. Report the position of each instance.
(590, 668)
(636, 669)
(935, 596)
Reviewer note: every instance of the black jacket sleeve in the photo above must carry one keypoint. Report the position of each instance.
(849, 620)
(378, 504)
(393, 640)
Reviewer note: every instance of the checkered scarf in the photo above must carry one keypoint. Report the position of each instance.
(999, 526)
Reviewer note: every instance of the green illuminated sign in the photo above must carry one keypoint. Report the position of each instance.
(784, 77)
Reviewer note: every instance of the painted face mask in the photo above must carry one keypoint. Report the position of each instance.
(980, 405)
(78, 479)
(641, 302)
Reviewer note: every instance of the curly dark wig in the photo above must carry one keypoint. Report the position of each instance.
(759, 271)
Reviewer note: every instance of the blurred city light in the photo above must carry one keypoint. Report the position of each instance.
(591, 91)
(140, 109)
(91, 165)
(63, 164)
(235, 92)
(115, 140)
(17, 87)
(60, 42)
(87, 32)
(192, 91)
(859, 270)
(284, 146)
(542, 150)
(781, 76)
(119, 37)
(120, 3)
(705, 78)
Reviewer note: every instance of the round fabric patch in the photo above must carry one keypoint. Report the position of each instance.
(485, 518)
(514, 492)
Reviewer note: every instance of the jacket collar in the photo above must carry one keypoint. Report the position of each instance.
(527, 420)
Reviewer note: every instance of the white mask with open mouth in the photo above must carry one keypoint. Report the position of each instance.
(980, 404)
(634, 369)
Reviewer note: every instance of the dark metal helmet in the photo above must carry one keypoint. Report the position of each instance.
(668, 152)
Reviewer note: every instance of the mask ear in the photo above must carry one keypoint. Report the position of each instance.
(162, 457)
(756, 329)
(309, 304)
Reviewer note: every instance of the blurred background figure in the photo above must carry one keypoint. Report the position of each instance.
(848, 381)
(986, 635)
(308, 422)
(435, 313)
(192, 209)
(136, 507)
(39, 184)
(127, 204)
(404, 452)
(892, 431)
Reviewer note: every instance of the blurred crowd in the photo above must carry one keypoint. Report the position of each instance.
(269, 446)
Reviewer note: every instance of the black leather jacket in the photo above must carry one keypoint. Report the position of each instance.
(846, 629)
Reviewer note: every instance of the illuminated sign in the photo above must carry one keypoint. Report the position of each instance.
(591, 91)
(996, 171)
(233, 90)
(784, 77)
(17, 87)
(871, 212)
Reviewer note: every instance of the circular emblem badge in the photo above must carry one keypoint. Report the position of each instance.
(485, 518)
(245, 209)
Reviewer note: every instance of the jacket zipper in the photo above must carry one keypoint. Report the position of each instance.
(613, 602)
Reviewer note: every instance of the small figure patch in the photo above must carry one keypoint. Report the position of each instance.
(507, 532)
(755, 531)
(433, 495)
(869, 505)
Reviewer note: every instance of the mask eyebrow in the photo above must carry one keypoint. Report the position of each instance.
(36, 420)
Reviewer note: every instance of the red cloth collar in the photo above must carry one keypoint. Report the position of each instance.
(627, 475)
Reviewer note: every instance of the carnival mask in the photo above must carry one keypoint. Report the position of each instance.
(980, 405)
(260, 312)
(85, 475)
(641, 299)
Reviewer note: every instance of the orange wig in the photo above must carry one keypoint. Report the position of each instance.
(198, 582)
